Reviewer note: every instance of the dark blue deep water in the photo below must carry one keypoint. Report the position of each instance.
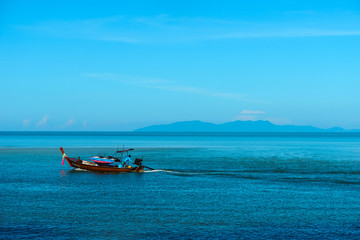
(207, 186)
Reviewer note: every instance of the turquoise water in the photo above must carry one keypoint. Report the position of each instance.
(206, 186)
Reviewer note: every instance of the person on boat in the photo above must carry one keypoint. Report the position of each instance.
(127, 161)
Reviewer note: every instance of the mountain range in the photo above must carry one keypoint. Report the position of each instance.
(235, 126)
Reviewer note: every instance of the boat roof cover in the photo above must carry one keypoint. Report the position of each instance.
(99, 159)
(125, 150)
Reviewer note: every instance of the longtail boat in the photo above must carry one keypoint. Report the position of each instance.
(105, 164)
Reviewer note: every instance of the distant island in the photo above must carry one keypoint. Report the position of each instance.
(235, 126)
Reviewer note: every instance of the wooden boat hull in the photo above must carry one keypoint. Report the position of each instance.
(77, 163)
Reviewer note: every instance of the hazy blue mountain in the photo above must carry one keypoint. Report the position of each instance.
(236, 126)
(189, 126)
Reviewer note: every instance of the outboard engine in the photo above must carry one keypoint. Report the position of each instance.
(138, 161)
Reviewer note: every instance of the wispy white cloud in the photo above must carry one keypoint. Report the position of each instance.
(202, 91)
(26, 122)
(250, 115)
(102, 29)
(68, 123)
(287, 34)
(164, 28)
(43, 121)
(167, 85)
(251, 112)
(129, 79)
(301, 12)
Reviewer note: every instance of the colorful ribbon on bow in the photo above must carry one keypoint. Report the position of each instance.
(64, 155)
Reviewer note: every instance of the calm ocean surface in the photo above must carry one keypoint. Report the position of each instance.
(207, 186)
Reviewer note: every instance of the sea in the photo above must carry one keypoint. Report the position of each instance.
(204, 186)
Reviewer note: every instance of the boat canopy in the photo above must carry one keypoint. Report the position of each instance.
(102, 159)
(125, 150)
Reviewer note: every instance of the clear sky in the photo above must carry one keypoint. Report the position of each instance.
(120, 65)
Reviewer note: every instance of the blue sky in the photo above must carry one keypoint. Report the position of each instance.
(116, 65)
